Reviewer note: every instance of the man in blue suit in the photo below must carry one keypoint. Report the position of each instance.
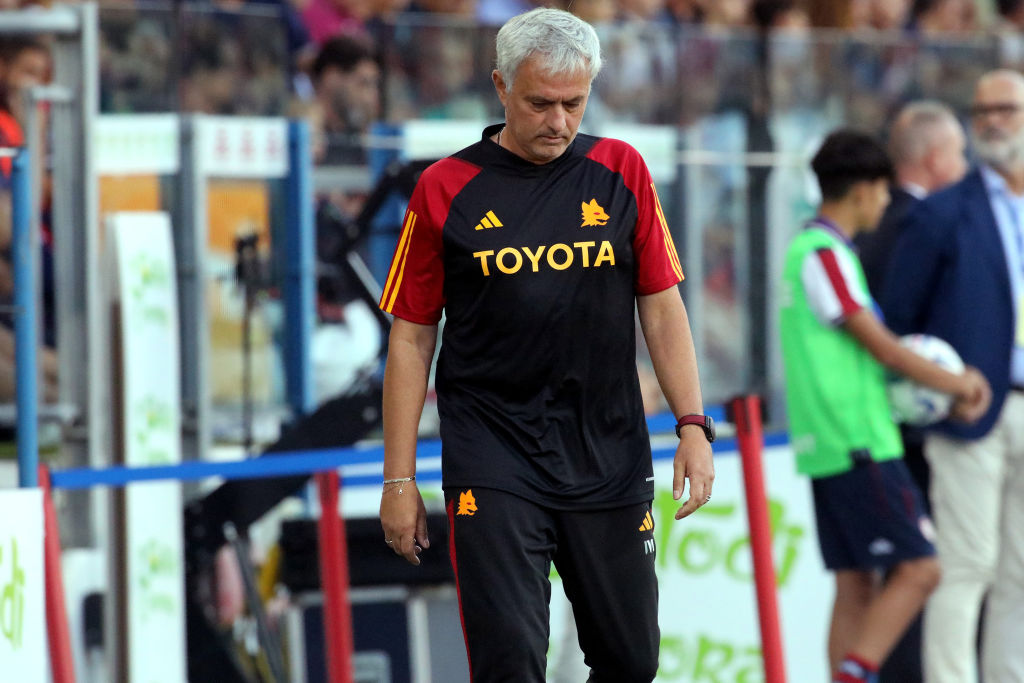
(957, 272)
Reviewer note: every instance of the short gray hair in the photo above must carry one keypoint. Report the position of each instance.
(568, 44)
(917, 129)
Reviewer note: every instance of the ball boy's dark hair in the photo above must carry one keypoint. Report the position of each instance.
(846, 157)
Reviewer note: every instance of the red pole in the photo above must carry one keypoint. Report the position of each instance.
(338, 645)
(61, 662)
(746, 413)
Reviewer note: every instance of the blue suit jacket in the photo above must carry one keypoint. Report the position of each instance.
(948, 277)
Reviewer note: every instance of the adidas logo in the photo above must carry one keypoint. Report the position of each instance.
(488, 221)
(648, 522)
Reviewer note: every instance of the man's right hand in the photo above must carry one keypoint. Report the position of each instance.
(973, 401)
(404, 520)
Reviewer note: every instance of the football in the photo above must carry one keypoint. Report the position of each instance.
(913, 403)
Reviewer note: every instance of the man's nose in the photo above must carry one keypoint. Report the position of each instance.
(556, 118)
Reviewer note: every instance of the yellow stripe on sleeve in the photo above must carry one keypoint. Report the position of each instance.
(401, 268)
(670, 246)
(400, 252)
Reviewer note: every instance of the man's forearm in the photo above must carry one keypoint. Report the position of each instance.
(666, 329)
(405, 387)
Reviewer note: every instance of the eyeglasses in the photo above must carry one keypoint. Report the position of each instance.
(1002, 110)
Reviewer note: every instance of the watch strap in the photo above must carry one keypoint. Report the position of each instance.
(703, 421)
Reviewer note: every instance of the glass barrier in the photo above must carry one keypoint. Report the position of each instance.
(193, 58)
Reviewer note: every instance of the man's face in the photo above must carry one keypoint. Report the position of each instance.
(542, 111)
(352, 97)
(30, 67)
(997, 121)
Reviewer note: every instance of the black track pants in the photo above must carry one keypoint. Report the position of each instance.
(502, 547)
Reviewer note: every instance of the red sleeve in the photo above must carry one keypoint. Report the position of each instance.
(657, 263)
(414, 289)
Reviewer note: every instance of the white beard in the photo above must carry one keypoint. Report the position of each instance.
(1003, 153)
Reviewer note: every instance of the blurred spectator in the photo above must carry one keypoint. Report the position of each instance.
(595, 12)
(327, 18)
(860, 15)
(931, 18)
(683, 12)
(640, 57)
(137, 62)
(453, 8)
(927, 145)
(233, 62)
(785, 15)
(444, 81)
(346, 82)
(296, 31)
(888, 15)
(1011, 14)
(1009, 29)
(640, 10)
(24, 63)
(214, 69)
(725, 13)
(385, 10)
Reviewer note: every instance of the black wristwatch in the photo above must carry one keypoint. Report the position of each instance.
(703, 421)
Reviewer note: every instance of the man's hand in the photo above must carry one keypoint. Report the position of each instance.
(973, 402)
(693, 461)
(404, 520)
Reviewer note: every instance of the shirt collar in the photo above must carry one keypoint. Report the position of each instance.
(830, 227)
(995, 183)
(914, 190)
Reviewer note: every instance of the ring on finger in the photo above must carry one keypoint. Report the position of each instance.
(708, 499)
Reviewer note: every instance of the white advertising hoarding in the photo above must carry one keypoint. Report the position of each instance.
(23, 654)
(151, 422)
(708, 605)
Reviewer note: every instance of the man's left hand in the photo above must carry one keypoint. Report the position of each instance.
(693, 461)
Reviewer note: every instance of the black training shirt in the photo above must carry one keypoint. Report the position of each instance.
(536, 268)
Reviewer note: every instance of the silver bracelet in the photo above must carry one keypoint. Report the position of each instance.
(401, 482)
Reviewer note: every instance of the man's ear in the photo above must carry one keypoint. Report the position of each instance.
(500, 86)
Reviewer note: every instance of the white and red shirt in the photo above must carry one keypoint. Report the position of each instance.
(831, 282)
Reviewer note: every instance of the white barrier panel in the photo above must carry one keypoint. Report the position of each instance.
(129, 144)
(154, 581)
(436, 139)
(658, 145)
(708, 605)
(241, 147)
(23, 654)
